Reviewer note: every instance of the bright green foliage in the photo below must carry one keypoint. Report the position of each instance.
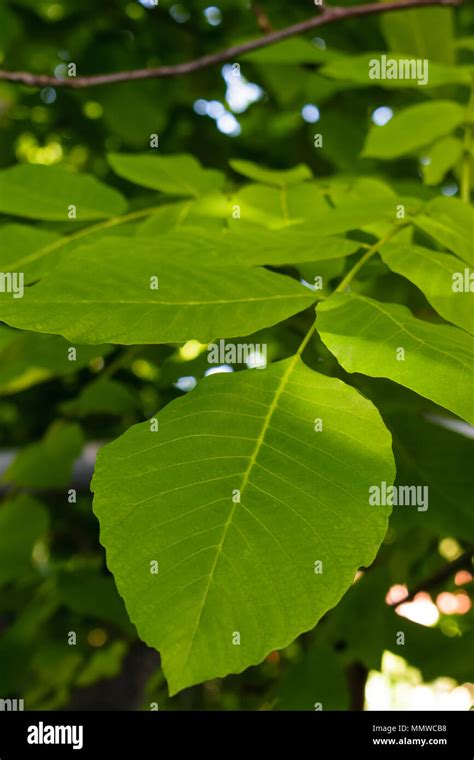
(242, 502)
(179, 175)
(437, 275)
(135, 296)
(436, 361)
(450, 223)
(32, 192)
(413, 128)
(233, 510)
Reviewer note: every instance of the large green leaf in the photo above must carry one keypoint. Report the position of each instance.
(435, 274)
(178, 174)
(422, 33)
(18, 242)
(47, 192)
(105, 292)
(366, 336)
(413, 128)
(251, 245)
(450, 222)
(237, 498)
(23, 521)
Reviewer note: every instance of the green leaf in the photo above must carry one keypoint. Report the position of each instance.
(23, 520)
(278, 178)
(178, 174)
(92, 594)
(114, 300)
(47, 192)
(106, 663)
(18, 242)
(237, 497)
(435, 274)
(422, 33)
(413, 128)
(355, 68)
(366, 336)
(442, 156)
(102, 396)
(291, 51)
(450, 222)
(47, 463)
(306, 205)
(211, 210)
(27, 359)
(465, 43)
(251, 245)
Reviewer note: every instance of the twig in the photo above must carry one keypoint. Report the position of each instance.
(464, 561)
(327, 16)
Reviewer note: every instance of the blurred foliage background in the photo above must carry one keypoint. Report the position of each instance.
(52, 571)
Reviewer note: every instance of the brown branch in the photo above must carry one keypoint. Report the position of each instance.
(463, 562)
(327, 16)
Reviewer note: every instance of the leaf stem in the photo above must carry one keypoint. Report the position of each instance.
(367, 255)
(350, 276)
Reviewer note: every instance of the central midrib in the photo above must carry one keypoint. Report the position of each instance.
(245, 480)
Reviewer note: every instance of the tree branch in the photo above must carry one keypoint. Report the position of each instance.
(326, 16)
(463, 562)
